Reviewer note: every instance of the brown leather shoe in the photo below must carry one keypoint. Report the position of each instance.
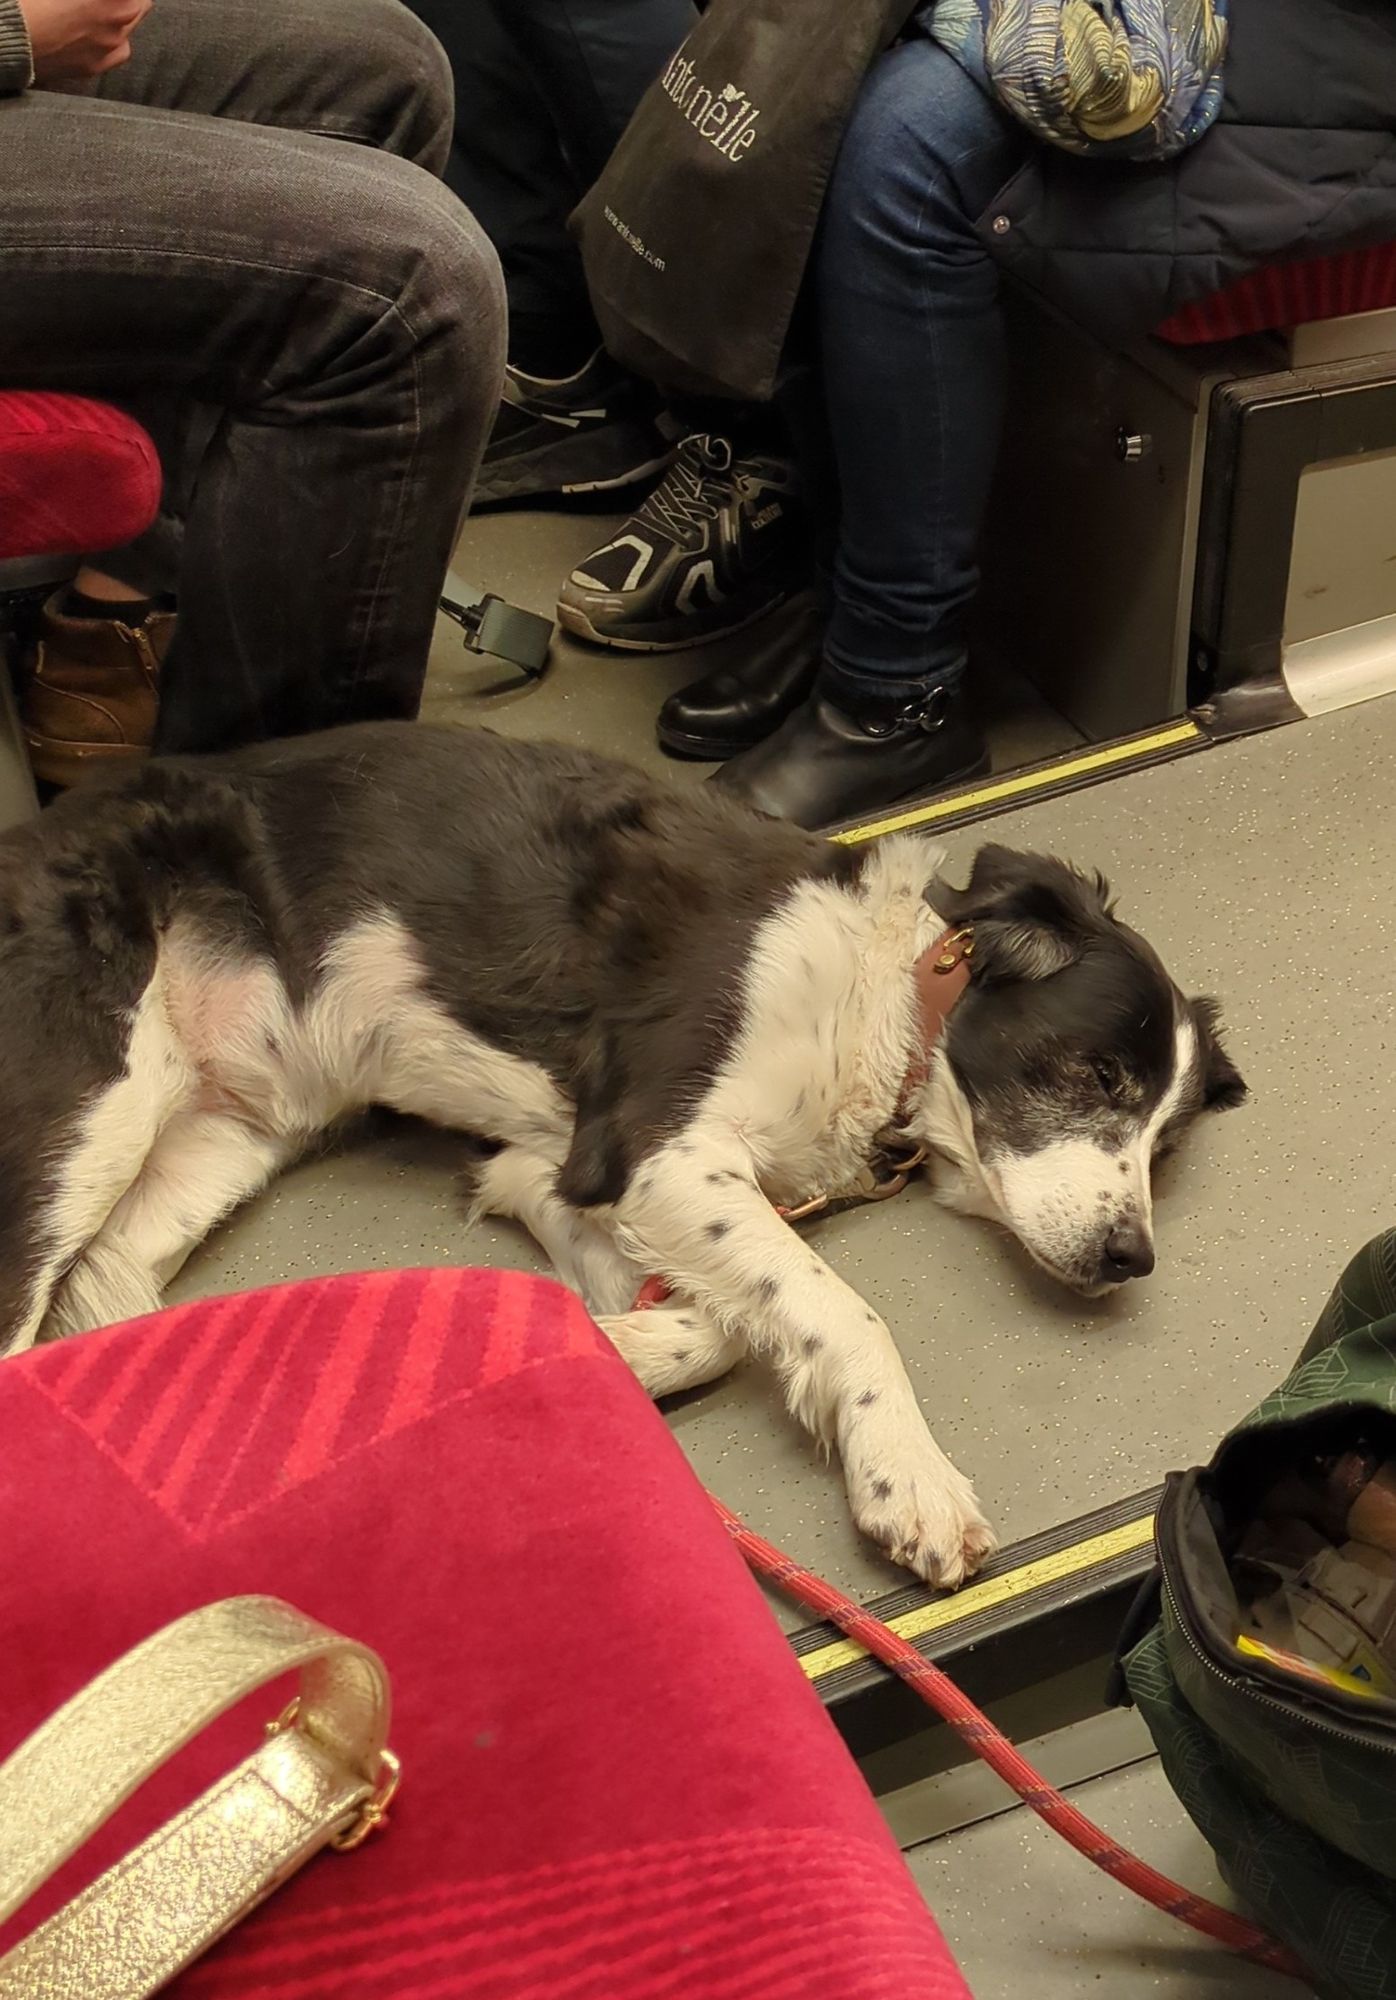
(92, 699)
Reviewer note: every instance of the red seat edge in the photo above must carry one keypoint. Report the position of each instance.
(1280, 296)
(76, 476)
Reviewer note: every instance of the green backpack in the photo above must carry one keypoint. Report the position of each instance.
(1293, 1785)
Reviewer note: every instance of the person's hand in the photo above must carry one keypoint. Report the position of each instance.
(80, 38)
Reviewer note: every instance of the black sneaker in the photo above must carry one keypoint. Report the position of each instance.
(720, 542)
(592, 432)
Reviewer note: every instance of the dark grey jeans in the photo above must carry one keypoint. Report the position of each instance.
(544, 88)
(192, 234)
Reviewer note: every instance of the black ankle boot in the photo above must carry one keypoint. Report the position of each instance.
(824, 765)
(738, 706)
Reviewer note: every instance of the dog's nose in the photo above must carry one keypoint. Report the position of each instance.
(1129, 1253)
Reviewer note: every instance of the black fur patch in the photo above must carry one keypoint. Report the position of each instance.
(610, 914)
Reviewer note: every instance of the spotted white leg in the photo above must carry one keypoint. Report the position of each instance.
(93, 1159)
(694, 1212)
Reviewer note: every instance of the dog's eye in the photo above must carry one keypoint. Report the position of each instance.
(1105, 1074)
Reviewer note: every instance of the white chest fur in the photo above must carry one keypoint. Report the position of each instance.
(828, 1024)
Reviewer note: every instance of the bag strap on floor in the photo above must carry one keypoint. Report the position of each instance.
(493, 626)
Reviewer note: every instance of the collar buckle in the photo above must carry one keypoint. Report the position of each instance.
(955, 950)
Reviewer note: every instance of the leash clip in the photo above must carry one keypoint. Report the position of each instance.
(901, 1173)
(902, 1164)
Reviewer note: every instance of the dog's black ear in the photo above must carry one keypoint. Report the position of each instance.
(1006, 951)
(1032, 914)
(1222, 1083)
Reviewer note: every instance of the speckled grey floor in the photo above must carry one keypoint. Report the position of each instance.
(1025, 1915)
(1265, 871)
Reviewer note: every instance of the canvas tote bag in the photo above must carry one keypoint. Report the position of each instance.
(696, 236)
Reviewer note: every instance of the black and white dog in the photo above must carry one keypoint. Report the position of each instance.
(665, 1014)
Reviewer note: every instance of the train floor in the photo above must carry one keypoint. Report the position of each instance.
(1025, 1915)
(1265, 872)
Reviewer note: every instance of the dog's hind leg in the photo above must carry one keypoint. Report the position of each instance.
(91, 1157)
(670, 1347)
(203, 1165)
(673, 1347)
(521, 1184)
(104, 1287)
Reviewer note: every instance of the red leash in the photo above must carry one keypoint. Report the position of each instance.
(941, 1694)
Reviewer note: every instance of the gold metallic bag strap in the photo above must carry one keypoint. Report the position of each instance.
(323, 1774)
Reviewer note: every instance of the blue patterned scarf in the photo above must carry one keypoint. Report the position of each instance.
(1140, 78)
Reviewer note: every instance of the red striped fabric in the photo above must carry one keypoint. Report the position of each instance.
(76, 476)
(1287, 295)
(617, 1783)
(311, 1374)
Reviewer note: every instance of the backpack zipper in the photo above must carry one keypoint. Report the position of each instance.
(1292, 1711)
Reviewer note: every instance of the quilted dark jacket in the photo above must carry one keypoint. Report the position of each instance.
(1301, 162)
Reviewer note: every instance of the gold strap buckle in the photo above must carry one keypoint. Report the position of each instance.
(373, 1813)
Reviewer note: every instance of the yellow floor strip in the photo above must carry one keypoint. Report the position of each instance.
(1027, 782)
(994, 1590)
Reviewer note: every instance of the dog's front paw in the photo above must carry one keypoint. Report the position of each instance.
(926, 1517)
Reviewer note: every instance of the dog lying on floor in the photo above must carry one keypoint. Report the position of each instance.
(663, 1012)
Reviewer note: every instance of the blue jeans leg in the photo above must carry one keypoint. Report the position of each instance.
(912, 350)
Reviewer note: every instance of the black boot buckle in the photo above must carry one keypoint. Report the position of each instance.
(929, 712)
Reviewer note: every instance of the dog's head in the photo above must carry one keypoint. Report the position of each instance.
(1069, 1065)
